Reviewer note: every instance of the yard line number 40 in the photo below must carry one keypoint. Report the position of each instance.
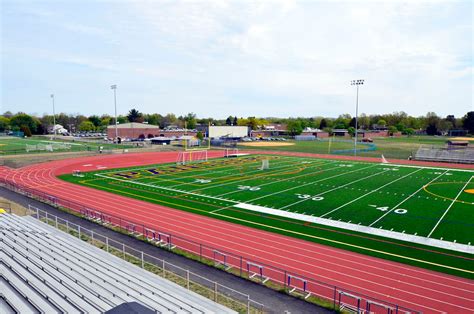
(400, 211)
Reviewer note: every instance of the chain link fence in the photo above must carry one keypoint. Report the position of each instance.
(310, 289)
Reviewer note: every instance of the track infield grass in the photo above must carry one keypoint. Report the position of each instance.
(427, 202)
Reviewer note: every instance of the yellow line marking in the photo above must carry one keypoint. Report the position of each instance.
(425, 188)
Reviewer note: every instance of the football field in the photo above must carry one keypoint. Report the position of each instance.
(308, 197)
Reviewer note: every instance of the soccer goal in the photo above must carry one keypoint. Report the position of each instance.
(77, 173)
(185, 157)
(231, 152)
(30, 148)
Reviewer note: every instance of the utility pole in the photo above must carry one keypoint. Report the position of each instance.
(54, 118)
(114, 87)
(356, 83)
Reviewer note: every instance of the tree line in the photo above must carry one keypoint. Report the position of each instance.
(431, 123)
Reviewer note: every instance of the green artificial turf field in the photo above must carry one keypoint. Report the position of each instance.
(309, 198)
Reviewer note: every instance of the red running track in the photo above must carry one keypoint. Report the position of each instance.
(415, 288)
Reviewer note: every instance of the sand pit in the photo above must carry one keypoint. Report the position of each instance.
(266, 144)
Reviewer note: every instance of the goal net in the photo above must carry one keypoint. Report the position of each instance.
(231, 152)
(30, 148)
(185, 157)
(265, 164)
(77, 173)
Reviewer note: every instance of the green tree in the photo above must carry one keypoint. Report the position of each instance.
(432, 123)
(351, 131)
(122, 119)
(228, 121)
(235, 120)
(253, 123)
(169, 119)
(154, 119)
(323, 124)
(199, 136)
(95, 121)
(352, 123)
(392, 130)
(400, 127)
(294, 127)
(339, 125)
(382, 122)
(444, 126)
(4, 123)
(468, 122)
(86, 126)
(190, 119)
(409, 131)
(22, 119)
(135, 116)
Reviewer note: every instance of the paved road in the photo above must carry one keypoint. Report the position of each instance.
(274, 301)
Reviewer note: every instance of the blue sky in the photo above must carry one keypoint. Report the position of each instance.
(244, 58)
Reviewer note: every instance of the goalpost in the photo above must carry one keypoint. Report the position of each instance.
(231, 152)
(185, 157)
(196, 154)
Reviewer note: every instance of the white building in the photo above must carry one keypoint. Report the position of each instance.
(228, 131)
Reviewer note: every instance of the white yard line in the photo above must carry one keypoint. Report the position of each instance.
(368, 230)
(296, 187)
(406, 199)
(450, 205)
(165, 188)
(193, 174)
(255, 178)
(373, 191)
(250, 172)
(336, 188)
(425, 167)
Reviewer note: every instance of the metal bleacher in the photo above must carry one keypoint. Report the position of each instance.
(44, 270)
(465, 155)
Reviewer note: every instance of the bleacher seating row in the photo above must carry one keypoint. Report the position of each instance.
(44, 270)
(446, 155)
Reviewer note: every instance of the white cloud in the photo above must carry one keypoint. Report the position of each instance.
(412, 54)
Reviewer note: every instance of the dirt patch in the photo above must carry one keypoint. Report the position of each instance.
(266, 144)
(15, 208)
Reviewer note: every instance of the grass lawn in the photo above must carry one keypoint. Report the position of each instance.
(18, 145)
(396, 147)
(425, 202)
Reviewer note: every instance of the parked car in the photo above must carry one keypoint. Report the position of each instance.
(367, 140)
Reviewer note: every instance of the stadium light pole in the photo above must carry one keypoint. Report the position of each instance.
(114, 87)
(357, 83)
(54, 118)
